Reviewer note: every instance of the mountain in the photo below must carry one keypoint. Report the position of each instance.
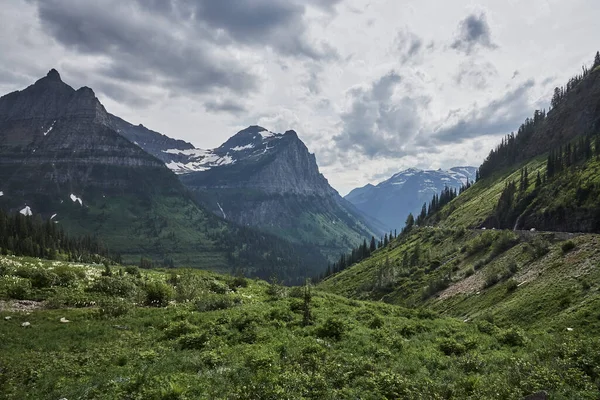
(270, 181)
(520, 246)
(406, 192)
(61, 157)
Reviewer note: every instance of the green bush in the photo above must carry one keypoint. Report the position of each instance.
(193, 341)
(43, 278)
(218, 287)
(511, 285)
(567, 246)
(512, 337)
(114, 286)
(451, 347)
(213, 302)
(189, 287)
(158, 294)
(332, 328)
(237, 282)
(178, 329)
(69, 276)
(133, 270)
(15, 287)
(113, 307)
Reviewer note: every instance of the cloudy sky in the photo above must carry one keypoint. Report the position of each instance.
(372, 87)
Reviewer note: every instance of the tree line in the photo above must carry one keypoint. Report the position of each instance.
(508, 151)
(31, 236)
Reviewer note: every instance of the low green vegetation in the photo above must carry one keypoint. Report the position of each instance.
(97, 332)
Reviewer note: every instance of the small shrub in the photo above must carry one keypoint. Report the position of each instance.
(113, 307)
(377, 322)
(512, 337)
(43, 278)
(297, 292)
(479, 264)
(193, 341)
(107, 271)
(114, 286)
(218, 287)
(15, 288)
(486, 327)
(213, 302)
(158, 294)
(237, 282)
(69, 276)
(511, 285)
(469, 272)
(133, 270)
(332, 328)
(567, 246)
(178, 329)
(491, 279)
(451, 347)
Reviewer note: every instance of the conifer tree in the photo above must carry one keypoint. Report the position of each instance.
(373, 246)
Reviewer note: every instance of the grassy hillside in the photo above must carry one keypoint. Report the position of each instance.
(542, 280)
(190, 334)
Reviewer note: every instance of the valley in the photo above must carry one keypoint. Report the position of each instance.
(219, 259)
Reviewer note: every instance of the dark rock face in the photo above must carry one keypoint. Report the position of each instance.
(52, 134)
(272, 181)
(152, 142)
(405, 192)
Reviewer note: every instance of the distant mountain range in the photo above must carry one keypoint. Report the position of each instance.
(405, 192)
(63, 156)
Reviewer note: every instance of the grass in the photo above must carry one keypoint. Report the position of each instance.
(219, 337)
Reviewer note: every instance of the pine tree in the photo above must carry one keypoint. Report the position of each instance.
(373, 246)
(410, 222)
(596, 60)
(385, 240)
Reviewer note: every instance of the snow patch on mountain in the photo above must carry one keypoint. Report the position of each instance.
(241, 148)
(194, 160)
(76, 199)
(266, 134)
(26, 211)
(49, 129)
(1, 193)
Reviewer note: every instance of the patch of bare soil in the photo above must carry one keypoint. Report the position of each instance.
(20, 305)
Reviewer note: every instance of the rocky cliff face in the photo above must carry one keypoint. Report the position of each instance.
(405, 192)
(271, 181)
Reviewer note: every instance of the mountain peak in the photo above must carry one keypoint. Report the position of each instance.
(53, 75)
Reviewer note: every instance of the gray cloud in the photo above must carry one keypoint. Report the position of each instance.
(472, 74)
(228, 106)
(500, 116)
(378, 124)
(185, 45)
(409, 45)
(141, 46)
(473, 31)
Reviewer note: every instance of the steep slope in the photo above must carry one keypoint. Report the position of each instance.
(406, 192)
(510, 247)
(262, 179)
(60, 158)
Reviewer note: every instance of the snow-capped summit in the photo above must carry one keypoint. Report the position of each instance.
(253, 142)
(405, 192)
